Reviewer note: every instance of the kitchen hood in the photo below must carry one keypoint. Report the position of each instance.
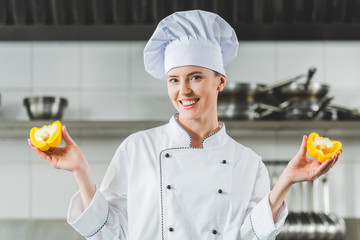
(136, 19)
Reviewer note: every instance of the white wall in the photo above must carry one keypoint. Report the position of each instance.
(107, 81)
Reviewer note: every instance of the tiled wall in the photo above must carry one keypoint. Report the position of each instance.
(107, 81)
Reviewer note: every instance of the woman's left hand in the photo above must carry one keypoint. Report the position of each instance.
(301, 168)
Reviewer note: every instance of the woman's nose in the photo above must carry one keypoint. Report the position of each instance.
(185, 88)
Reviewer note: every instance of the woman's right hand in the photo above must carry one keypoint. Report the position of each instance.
(71, 158)
(68, 158)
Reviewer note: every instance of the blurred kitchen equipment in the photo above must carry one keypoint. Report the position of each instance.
(247, 100)
(283, 100)
(315, 90)
(338, 224)
(295, 109)
(308, 221)
(289, 81)
(307, 90)
(305, 109)
(45, 107)
(311, 73)
(239, 100)
(333, 113)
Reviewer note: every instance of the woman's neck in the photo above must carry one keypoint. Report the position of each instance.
(199, 129)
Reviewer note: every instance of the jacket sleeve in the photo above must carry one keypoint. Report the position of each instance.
(106, 216)
(259, 223)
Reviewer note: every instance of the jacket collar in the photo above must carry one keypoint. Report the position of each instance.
(182, 138)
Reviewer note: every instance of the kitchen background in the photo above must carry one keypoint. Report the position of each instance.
(106, 81)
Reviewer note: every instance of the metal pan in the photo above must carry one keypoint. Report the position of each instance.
(307, 90)
(255, 92)
(243, 100)
(240, 101)
(315, 90)
(295, 109)
(239, 111)
(282, 83)
(246, 92)
(306, 109)
(333, 112)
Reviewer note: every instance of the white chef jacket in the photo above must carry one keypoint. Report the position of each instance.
(159, 187)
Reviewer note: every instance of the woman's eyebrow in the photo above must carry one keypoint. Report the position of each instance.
(172, 76)
(196, 72)
(189, 74)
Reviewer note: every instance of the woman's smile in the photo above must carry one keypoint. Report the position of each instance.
(189, 103)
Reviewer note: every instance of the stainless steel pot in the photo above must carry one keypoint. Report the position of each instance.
(45, 107)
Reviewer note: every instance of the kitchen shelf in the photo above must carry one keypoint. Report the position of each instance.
(234, 128)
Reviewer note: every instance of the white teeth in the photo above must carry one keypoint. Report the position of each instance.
(188, 103)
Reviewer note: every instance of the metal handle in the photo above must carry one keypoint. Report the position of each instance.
(309, 77)
(282, 83)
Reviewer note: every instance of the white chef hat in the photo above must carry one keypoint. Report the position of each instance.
(193, 37)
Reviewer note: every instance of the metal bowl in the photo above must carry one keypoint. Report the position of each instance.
(45, 107)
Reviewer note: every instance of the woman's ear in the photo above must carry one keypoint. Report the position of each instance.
(222, 82)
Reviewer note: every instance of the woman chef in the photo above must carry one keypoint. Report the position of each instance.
(187, 179)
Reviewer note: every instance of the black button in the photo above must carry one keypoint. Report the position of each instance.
(219, 191)
(214, 232)
(171, 229)
(223, 162)
(167, 155)
(168, 187)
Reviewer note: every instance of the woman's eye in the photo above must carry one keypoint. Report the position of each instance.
(196, 77)
(173, 80)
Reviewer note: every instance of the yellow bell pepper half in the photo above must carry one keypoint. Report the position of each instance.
(321, 148)
(46, 137)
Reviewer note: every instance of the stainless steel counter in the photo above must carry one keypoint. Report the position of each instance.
(97, 129)
(60, 230)
(37, 230)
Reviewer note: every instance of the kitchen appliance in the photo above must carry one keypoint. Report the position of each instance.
(45, 107)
